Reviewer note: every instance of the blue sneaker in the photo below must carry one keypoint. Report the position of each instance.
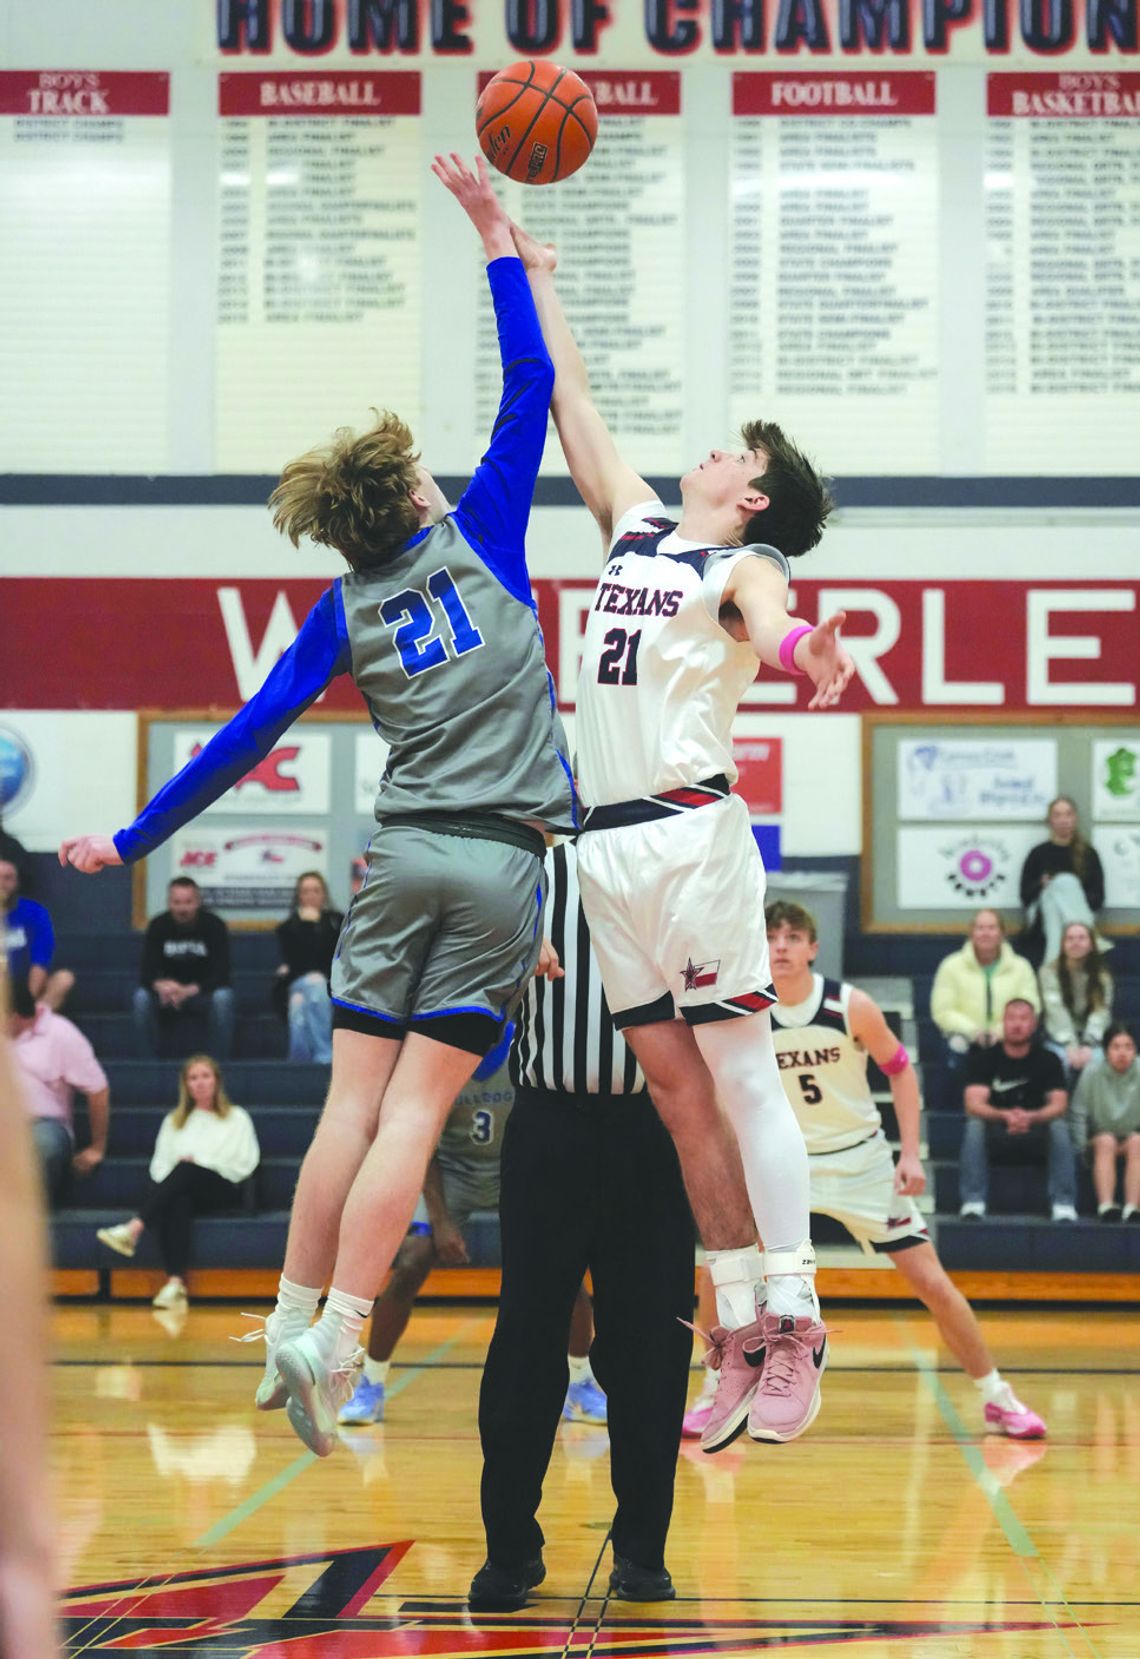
(366, 1405)
(585, 1403)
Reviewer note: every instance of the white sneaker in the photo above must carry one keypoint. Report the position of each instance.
(281, 1326)
(1064, 1212)
(317, 1389)
(172, 1295)
(121, 1239)
(972, 1210)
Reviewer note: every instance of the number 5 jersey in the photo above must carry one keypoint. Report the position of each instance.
(824, 1069)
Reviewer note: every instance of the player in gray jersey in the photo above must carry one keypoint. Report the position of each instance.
(436, 624)
(462, 1177)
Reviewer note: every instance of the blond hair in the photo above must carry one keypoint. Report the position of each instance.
(223, 1105)
(353, 494)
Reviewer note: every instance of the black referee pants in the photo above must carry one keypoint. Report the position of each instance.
(588, 1182)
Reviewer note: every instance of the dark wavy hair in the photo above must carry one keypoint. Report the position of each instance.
(799, 501)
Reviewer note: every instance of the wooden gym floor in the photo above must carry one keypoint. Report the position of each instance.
(191, 1525)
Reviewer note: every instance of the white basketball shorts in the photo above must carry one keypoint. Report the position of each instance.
(676, 914)
(857, 1188)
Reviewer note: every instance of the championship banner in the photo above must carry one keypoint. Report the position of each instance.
(996, 645)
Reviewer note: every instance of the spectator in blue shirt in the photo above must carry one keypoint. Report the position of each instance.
(30, 940)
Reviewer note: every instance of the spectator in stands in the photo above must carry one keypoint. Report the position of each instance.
(30, 940)
(1062, 881)
(205, 1149)
(1106, 1116)
(973, 985)
(308, 937)
(1077, 991)
(1015, 1110)
(185, 970)
(14, 852)
(53, 1059)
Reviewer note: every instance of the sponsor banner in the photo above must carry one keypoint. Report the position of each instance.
(760, 764)
(962, 868)
(976, 780)
(1064, 97)
(293, 777)
(248, 869)
(803, 93)
(54, 93)
(915, 645)
(371, 757)
(65, 774)
(1116, 777)
(396, 92)
(1119, 849)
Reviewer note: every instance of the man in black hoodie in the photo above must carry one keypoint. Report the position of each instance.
(185, 970)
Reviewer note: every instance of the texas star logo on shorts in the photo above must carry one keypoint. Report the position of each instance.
(696, 974)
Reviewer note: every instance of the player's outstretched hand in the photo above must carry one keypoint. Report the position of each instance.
(536, 256)
(910, 1177)
(89, 853)
(549, 967)
(475, 195)
(825, 662)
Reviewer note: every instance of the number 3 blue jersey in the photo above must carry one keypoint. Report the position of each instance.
(442, 640)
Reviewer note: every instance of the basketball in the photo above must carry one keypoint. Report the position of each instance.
(536, 122)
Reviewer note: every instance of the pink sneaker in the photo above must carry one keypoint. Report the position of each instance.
(696, 1419)
(738, 1357)
(787, 1400)
(1009, 1417)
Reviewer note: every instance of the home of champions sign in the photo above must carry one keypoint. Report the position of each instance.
(320, 275)
(620, 227)
(85, 182)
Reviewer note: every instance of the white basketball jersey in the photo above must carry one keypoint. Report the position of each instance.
(660, 679)
(824, 1068)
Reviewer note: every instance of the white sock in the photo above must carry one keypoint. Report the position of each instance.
(376, 1370)
(293, 1301)
(579, 1368)
(989, 1386)
(741, 1056)
(789, 1282)
(737, 1277)
(340, 1324)
(1128, 1210)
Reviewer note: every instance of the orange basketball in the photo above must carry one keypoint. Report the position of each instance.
(536, 122)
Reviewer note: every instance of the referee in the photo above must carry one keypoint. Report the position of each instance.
(589, 1180)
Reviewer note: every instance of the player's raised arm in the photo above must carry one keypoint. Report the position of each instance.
(759, 590)
(606, 483)
(318, 654)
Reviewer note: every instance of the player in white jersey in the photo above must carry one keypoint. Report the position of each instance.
(824, 1033)
(671, 878)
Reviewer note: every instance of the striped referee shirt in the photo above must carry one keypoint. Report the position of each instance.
(566, 1039)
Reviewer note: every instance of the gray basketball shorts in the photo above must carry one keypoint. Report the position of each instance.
(443, 935)
(467, 1186)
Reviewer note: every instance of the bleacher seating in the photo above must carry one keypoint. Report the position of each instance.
(285, 1102)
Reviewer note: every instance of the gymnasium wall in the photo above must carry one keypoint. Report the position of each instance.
(914, 239)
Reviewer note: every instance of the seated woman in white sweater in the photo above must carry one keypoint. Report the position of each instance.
(205, 1149)
(1077, 992)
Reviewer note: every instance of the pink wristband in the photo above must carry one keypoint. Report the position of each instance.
(898, 1061)
(788, 648)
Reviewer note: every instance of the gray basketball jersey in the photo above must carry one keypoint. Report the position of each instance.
(453, 671)
(473, 1132)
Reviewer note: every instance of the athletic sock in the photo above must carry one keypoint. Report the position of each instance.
(738, 1279)
(376, 1370)
(295, 1300)
(340, 1324)
(789, 1289)
(580, 1371)
(990, 1386)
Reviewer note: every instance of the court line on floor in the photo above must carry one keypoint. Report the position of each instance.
(477, 1365)
(257, 1500)
(1017, 1534)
